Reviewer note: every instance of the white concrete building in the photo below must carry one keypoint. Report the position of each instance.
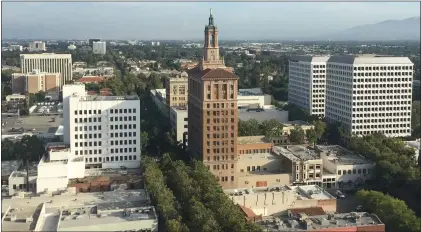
(178, 118)
(15, 48)
(105, 130)
(343, 167)
(55, 170)
(37, 46)
(48, 62)
(370, 93)
(71, 47)
(99, 47)
(306, 87)
(253, 98)
(416, 146)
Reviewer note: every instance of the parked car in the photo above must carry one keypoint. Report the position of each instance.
(339, 194)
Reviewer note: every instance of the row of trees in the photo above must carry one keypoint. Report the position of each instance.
(273, 128)
(193, 201)
(394, 213)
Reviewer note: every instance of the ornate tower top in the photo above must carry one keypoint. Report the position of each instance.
(210, 18)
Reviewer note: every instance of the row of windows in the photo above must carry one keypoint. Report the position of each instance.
(381, 120)
(224, 178)
(94, 119)
(383, 68)
(354, 171)
(86, 136)
(383, 132)
(122, 134)
(80, 112)
(88, 128)
(359, 127)
(219, 105)
(23, 186)
(88, 144)
(378, 80)
(123, 126)
(89, 152)
(382, 97)
(120, 142)
(222, 157)
(382, 74)
(123, 119)
(125, 150)
(112, 159)
(116, 111)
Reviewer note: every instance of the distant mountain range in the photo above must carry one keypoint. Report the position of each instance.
(406, 29)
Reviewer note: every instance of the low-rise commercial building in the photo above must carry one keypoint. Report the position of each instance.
(177, 90)
(277, 200)
(344, 168)
(178, 118)
(354, 221)
(253, 98)
(17, 179)
(16, 97)
(108, 211)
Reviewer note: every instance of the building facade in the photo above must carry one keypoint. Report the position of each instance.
(212, 111)
(102, 129)
(49, 63)
(307, 80)
(36, 46)
(35, 82)
(370, 93)
(177, 90)
(99, 47)
(365, 93)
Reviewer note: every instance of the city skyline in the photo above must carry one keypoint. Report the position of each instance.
(181, 21)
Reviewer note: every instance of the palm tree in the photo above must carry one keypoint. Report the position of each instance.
(29, 148)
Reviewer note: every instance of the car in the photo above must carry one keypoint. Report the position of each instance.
(359, 208)
(339, 194)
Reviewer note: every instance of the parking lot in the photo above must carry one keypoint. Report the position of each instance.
(36, 124)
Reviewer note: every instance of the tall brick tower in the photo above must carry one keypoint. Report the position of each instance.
(213, 111)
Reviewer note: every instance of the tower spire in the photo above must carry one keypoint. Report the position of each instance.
(210, 18)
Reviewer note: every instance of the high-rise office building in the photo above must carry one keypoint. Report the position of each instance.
(306, 87)
(212, 111)
(177, 90)
(49, 63)
(91, 42)
(365, 93)
(99, 47)
(370, 93)
(105, 130)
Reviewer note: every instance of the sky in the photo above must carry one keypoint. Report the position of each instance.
(186, 20)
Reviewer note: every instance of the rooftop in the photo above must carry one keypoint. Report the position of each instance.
(98, 210)
(250, 92)
(369, 59)
(296, 153)
(296, 122)
(21, 172)
(305, 192)
(319, 222)
(310, 211)
(251, 139)
(109, 98)
(342, 156)
(267, 114)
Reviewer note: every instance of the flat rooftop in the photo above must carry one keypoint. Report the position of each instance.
(306, 192)
(251, 139)
(82, 210)
(109, 98)
(319, 222)
(302, 152)
(296, 123)
(21, 172)
(267, 114)
(342, 156)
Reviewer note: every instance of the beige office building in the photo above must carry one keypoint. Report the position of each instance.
(49, 63)
(35, 82)
(177, 90)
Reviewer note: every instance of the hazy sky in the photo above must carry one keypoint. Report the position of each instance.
(171, 20)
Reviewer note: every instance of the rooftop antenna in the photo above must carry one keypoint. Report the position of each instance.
(210, 11)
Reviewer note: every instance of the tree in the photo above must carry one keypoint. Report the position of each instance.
(29, 148)
(248, 128)
(144, 139)
(297, 135)
(401, 218)
(311, 136)
(319, 128)
(8, 150)
(271, 128)
(415, 118)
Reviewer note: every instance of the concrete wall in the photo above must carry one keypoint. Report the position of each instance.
(51, 184)
(251, 180)
(76, 169)
(39, 224)
(52, 169)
